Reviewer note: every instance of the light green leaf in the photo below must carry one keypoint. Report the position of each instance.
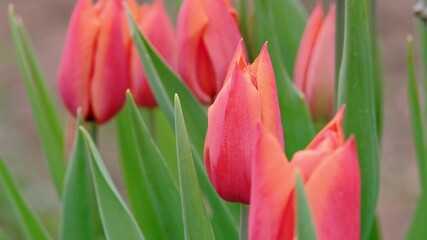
(193, 209)
(45, 114)
(79, 215)
(417, 229)
(164, 84)
(117, 221)
(305, 224)
(356, 90)
(162, 187)
(29, 222)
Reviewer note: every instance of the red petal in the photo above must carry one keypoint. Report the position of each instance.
(333, 192)
(272, 187)
(266, 82)
(75, 69)
(110, 80)
(331, 136)
(192, 22)
(320, 79)
(306, 46)
(239, 59)
(229, 145)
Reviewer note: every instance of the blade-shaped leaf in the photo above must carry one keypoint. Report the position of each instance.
(117, 221)
(417, 229)
(193, 208)
(29, 222)
(45, 115)
(137, 194)
(305, 224)
(79, 216)
(355, 89)
(162, 187)
(164, 84)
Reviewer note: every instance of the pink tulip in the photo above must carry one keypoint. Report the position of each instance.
(315, 64)
(247, 99)
(157, 27)
(93, 72)
(207, 35)
(330, 170)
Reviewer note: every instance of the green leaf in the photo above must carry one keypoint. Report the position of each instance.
(417, 119)
(79, 216)
(45, 114)
(162, 187)
(140, 203)
(164, 84)
(417, 229)
(29, 222)
(193, 209)
(305, 224)
(356, 90)
(376, 230)
(117, 221)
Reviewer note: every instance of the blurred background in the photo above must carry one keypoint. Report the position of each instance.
(46, 22)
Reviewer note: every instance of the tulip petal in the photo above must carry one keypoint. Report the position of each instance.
(306, 46)
(272, 190)
(192, 22)
(158, 29)
(76, 65)
(307, 161)
(239, 59)
(320, 79)
(266, 83)
(333, 192)
(110, 80)
(230, 143)
(221, 37)
(331, 136)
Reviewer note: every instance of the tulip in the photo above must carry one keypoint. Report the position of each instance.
(93, 72)
(207, 35)
(247, 99)
(155, 24)
(331, 175)
(315, 64)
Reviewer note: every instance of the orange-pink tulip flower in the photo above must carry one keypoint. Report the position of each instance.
(247, 99)
(93, 73)
(157, 27)
(207, 35)
(315, 64)
(330, 171)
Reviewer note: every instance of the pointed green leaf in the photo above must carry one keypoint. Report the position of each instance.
(140, 203)
(29, 222)
(417, 229)
(45, 114)
(117, 221)
(356, 90)
(376, 230)
(193, 209)
(162, 187)
(79, 215)
(165, 84)
(417, 120)
(305, 224)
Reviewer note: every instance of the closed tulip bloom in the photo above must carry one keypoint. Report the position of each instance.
(93, 72)
(247, 99)
(157, 27)
(207, 35)
(315, 64)
(330, 171)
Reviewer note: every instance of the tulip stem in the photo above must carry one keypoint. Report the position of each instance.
(244, 216)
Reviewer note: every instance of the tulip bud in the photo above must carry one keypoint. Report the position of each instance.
(247, 99)
(315, 64)
(330, 171)
(93, 72)
(157, 27)
(207, 35)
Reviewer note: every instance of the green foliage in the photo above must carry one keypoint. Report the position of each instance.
(356, 91)
(196, 219)
(29, 222)
(46, 116)
(305, 224)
